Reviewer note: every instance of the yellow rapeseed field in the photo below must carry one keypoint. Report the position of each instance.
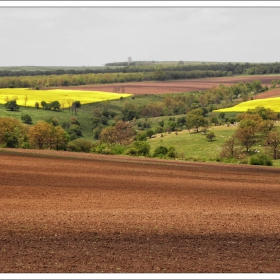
(28, 97)
(272, 103)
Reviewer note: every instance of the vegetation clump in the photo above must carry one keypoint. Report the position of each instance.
(261, 159)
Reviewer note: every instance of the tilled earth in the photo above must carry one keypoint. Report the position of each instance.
(178, 86)
(73, 212)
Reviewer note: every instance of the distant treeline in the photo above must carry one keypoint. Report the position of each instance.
(134, 73)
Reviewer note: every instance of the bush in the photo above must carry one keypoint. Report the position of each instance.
(26, 119)
(142, 148)
(141, 136)
(160, 151)
(25, 145)
(80, 145)
(115, 149)
(12, 142)
(171, 152)
(261, 159)
(131, 152)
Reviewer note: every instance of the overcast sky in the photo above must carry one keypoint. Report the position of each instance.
(93, 36)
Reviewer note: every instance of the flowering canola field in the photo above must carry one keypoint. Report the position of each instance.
(28, 97)
(272, 103)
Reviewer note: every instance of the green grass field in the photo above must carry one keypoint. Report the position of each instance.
(272, 103)
(28, 97)
(194, 146)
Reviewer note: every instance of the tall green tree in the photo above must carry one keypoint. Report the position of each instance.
(12, 105)
(195, 119)
(273, 142)
(12, 132)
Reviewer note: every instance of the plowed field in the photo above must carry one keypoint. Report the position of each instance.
(73, 212)
(177, 86)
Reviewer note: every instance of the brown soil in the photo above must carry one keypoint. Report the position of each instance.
(268, 94)
(177, 86)
(74, 212)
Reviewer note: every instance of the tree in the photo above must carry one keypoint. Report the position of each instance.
(25, 99)
(122, 133)
(264, 113)
(74, 120)
(12, 105)
(75, 106)
(142, 148)
(261, 159)
(77, 129)
(55, 105)
(273, 141)
(39, 135)
(54, 121)
(246, 136)
(160, 151)
(37, 105)
(230, 149)
(12, 132)
(26, 118)
(80, 145)
(222, 115)
(171, 153)
(150, 132)
(43, 104)
(59, 138)
(44, 135)
(210, 135)
(265, 127)
(195, 119)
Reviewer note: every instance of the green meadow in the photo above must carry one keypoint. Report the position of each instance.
(272, 103)
(194, 146)
(28, 97)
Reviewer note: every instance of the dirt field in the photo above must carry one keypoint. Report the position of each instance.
(269, 94)
(72, 212)
(178, 86)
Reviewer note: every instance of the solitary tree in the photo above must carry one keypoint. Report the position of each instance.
(75, 106)
(37, 105)
(196, 120)
(210, 135)
(12, 105)
(25, 99)
(230, 149)
(246, 136)
(273, 141)
(55, 105)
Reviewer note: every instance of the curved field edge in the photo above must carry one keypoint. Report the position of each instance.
(67, 155)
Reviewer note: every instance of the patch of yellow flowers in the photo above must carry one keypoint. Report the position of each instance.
(28, 97)
(272, 103)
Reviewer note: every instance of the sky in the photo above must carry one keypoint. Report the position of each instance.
(93, 35)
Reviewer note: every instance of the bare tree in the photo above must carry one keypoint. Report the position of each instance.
(25, 99)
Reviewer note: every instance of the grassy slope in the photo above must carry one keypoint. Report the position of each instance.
(84, 113)
(193, 145)
(40, 114)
